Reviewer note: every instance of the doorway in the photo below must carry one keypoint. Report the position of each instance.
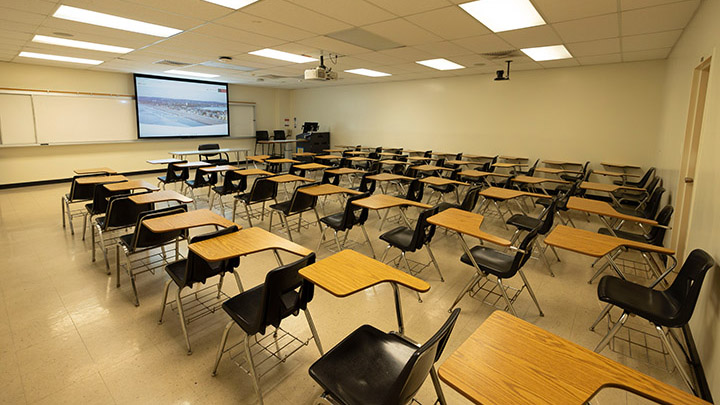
(686, 180)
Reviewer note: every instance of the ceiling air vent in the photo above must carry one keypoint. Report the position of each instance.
(171, 63)
(501, 54)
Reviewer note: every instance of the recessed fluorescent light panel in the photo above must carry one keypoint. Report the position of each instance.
(111, 21)
(188, 73)
(80, 44)
(367, 72)
(544, 53)
(234, 4)
(286, 56)
(59, 58)
(440, 64)
(504, 15)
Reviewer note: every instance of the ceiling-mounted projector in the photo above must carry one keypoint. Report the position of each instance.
(321, 72)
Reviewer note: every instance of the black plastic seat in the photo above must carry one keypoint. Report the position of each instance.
(279, 134)
(655, 236)
(262, 191)
(260, 136)
(649, 173)
(575, 177)
(222, 157)
(174, 174)
(647, 210)
(669, 308)
(344, 221)
(468, 203)
(194, 269)
(233, 183)
(410, 240)
(447, 188)
(638, 198)
(502, 266)
(373, 367)
(78, 193)
(141, 241)
(202, 179)
(98, 206)
(366, 185)
(543, 224)
(284, 293)
(530, 171)
(298, 203)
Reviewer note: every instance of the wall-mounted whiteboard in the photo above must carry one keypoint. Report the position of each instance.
(63, 119)
(17, 121)
(33, 118)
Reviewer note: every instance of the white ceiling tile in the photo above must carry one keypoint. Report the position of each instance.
(129, 41)
(408, 67)
(91, 31)
(264, 26)
(333, 45)
(402, 32)
(600, 59)
(295, 16)
(15, 36)
(555, 10)
(194, 42)
(408, 7)
(646, 55)
(33, 6)
(408, 54)
(25, 17)
(484, 43)
(18, 27)
(137, 12)
(633, 4)
(660, 18)
(449, 23)
(473, 61)
(591, 48)
(588, 29)
(665, 39)
(354, 12)
(443, 49)
(560, 63)
(252, 38)
(192, 8)
(531, 37)
(379, 58)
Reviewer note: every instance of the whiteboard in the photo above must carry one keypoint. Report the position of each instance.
(242, 120)
(17, 121)
(63, 119)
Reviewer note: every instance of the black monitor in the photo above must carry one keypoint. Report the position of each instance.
(310, 127)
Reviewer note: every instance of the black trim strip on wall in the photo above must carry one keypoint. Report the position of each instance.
(69, 179)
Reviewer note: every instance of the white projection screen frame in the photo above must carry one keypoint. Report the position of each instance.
(180, 108)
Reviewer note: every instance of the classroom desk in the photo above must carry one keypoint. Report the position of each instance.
(288, 178)
(329, 157)
(431, 168)
(348, 272)
(327, 189)
(389, 154)
(512, 158)
(238, 151)
(476, 174)
(160, 196)
(243, 243)
(131, 185)
(281, 161)
(281, 142)
(466, 223)
(421, 159)
(551, 170)
(258, 158)
(609, 188)
(388, 177)
(384, 201)
(620, 165)
(471, 156)
(167, 161)
(441, 181)
(459, 162)
(303, 154)
(356, 152)
(508, 193)
(96, 170)
(253, 172)
(392, 162)
(598, 245)
(509, 165)
(359, 159)
(604, 210)
(185, 220)
(624, 176)
(561, 163)
(510, 361)
(192, 165)
(100, 179)
(344, 170)
(538, 181)
(311, 166)
(220, 168)
(333, 150)
(441, 154)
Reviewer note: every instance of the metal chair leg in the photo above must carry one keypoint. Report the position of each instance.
(337, 241)
(181, 314)
(221, 347)
(311, 324)
(673, 355)
(247, 211)
(541, 252)
(253, 373)
(407, 264)
(611, 333)
(602, 315)
(532, 293)
(368, 240)
(438, 388)
(432, 257)
(164, 301)
(286, 223)
(387, 249)
(507, 299)
(322, 238)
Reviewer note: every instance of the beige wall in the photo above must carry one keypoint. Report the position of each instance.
(595, 113)
(34, 163)
(701, 39)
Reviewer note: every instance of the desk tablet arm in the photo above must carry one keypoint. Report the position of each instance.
(666, 272)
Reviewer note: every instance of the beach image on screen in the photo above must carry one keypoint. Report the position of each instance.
(168, 108)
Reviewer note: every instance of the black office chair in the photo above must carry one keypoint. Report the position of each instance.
(283, 293)
(202, 179)
(136, 247)
(373, 367)
(502, 266)
(299, 203)
(344, 221)
(98, 206)
(174, 175)
(670, 308)
(543, 224)
(222, 157)
(121, 213)
(411, 240)
(193, 270)
(279, 134)
(233, 183)
(263, 190)
(79, 193)
(260, 136)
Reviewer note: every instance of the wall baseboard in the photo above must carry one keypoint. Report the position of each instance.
(69, 179)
